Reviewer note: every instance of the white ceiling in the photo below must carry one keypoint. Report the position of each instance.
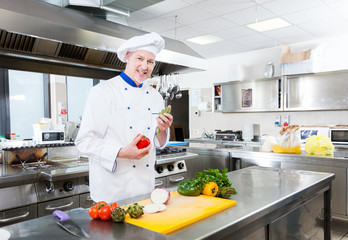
(226, 19)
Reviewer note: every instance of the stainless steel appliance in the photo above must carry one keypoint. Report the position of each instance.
(228, 135)
(170, 166)
(60, 181)
(339, 136)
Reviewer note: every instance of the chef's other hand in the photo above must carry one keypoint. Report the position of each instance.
(164, 121)
(131, 150)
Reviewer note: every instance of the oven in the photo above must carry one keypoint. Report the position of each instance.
(60, 181)
(171, 167)
(228, 135)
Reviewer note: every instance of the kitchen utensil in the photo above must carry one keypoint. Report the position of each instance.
(178, 95)
(180, 212)
(67, 224)
(175, 81)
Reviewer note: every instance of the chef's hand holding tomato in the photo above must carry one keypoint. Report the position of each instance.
(164, 121)
(132, 151)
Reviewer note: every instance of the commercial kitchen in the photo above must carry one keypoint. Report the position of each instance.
(232, 95)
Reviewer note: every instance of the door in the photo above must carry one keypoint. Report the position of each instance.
(180, 112)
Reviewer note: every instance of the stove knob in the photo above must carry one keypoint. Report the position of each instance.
(181, 165)
(170, 167)
(69, 186)
(159, 169)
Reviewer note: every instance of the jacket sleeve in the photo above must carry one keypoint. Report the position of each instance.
(95, 120)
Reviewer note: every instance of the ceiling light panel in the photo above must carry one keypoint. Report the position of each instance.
(269, 24)
(204, 40)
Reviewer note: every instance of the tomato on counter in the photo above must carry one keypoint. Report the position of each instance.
(105, 212)
(102, 210)
(114, 205)
(93, 212)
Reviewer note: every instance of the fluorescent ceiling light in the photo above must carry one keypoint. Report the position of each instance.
(269, 24)
(109, 9)
(204, 40)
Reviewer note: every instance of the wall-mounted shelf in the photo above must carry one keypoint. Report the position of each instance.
(217, 98)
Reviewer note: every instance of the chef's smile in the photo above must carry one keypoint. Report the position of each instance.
(140, 65)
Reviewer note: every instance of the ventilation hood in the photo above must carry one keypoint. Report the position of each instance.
(38, 36)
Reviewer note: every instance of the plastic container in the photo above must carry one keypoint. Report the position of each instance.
(13, 136)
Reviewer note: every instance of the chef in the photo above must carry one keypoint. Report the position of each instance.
(117, 113)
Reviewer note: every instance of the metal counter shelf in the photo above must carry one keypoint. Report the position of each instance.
(264, 196)
(339, 159)
(16, 175)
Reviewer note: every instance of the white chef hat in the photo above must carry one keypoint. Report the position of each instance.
(151, 42)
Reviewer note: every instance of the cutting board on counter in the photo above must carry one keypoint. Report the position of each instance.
(180, 212)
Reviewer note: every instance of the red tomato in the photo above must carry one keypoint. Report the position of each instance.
(93, 212)
(143, 142)
(100, 204)
(105, 212)
(114, 205)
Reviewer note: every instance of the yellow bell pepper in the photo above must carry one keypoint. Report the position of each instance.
(210, 189)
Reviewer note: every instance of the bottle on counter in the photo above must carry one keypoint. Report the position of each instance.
(13, 136)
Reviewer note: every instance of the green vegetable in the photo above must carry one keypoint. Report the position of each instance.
(190, 187)
(165, 110)
(118, 214)
(135, 210)
(214, 175)
(226, 192)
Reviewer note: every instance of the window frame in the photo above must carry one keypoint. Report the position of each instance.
(5, 117)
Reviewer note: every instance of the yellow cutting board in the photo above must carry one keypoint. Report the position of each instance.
(180, 212)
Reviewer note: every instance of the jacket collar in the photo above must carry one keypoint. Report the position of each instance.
(129, 80)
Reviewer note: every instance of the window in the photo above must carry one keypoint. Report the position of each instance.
(26, 100)
(77, 92)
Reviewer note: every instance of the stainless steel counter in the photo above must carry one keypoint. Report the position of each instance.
(240, 150)
(16, 175)
(264, 196)
(13, 176)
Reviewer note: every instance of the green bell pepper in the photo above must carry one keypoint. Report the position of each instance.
(190, 187)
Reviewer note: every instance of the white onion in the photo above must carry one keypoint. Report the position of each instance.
(151, 208)
(160, 195)
(162, 207)
(154, 207)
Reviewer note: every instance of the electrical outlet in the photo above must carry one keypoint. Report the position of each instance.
(285, 120)
(277, 122)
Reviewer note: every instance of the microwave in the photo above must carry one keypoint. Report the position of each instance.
(306, 132)
(50, 136)
(339, 136)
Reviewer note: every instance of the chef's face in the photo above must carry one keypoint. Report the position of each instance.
(140, 65)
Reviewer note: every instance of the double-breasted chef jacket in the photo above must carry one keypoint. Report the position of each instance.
(116, 112)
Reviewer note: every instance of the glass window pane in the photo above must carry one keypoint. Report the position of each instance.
(78, 89)
(26, 101)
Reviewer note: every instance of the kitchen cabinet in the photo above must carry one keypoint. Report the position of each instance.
(18, 215)
(207, 158)
(255, 95)
(303, 92)
(322, 91)
(339, 184)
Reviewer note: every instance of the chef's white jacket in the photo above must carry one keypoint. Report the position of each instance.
(115, 112)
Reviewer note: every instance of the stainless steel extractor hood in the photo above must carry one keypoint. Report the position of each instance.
(39, 36)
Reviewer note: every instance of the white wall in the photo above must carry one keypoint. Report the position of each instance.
(332, 51)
